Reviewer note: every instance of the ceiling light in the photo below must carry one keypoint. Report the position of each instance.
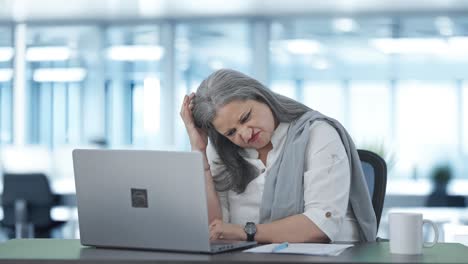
(6, 53)
(135, 53)
(48, 53)
(410, 45)
(59, 75)
(345, 25)
(303, 46)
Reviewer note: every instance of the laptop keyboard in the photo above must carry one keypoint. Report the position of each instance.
(221, 245)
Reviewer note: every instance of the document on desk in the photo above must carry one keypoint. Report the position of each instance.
(303, 248)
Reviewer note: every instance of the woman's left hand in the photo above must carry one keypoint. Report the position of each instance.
(224, 231)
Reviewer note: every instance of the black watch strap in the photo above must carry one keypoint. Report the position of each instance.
(250, 230)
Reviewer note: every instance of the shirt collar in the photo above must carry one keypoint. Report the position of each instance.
(279, 133)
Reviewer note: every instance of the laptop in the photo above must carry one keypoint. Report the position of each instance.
(144, 199)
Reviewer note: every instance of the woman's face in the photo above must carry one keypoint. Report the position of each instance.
(248, 123)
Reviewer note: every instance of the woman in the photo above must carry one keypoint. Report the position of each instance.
(275, 169)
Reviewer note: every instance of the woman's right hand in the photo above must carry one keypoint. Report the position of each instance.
(198, 137)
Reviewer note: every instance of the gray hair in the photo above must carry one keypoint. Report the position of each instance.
(219, 89)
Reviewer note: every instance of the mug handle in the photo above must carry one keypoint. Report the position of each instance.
(436, 233)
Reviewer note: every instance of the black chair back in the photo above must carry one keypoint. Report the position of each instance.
(34, 190)
(375, 172)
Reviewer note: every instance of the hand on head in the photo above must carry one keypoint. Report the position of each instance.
(198, 137)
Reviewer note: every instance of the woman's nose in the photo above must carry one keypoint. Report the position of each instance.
(245, 134)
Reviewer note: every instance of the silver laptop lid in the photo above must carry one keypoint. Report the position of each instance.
(141, 199)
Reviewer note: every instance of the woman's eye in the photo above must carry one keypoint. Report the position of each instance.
(246, 118)
(231, 133)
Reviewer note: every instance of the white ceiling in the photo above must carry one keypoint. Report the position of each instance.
(37, 10)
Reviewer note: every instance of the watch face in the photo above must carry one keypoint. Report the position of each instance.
(250, 228)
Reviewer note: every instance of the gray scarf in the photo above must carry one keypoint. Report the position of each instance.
(283, 194)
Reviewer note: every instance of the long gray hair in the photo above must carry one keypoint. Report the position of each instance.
(219, 89)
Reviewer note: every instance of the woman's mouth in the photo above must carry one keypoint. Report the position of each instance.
(254, 137)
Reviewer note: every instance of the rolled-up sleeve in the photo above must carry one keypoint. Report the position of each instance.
(215, 169)
(326, 179)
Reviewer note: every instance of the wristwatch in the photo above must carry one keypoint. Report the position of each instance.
(250, 229)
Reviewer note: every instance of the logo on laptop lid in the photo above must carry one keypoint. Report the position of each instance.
(139, 198)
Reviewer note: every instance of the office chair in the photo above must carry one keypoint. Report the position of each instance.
(375, 173)
(27, 198)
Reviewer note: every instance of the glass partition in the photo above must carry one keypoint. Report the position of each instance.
(370, 106)
(327, 98)
(60, 63)
(464, 119)
(133, 85)
(426, 127)
(6, 84)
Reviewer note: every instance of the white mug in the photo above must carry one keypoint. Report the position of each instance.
(406, 233)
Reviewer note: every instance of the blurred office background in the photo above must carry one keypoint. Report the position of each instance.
(113, 74)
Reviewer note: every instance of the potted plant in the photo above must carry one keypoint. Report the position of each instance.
(441, 176)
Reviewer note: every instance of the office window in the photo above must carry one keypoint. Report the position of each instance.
(6, 85)
(146, 119)
(202, 48)
(327, 98)
(59, 65)
(5, 112)
(133, 73)
(286, 88)
(344, 66)
(465, 119)
(370, 114)
(426, 119)
(321, 56)
(55, 113)
(6, 98)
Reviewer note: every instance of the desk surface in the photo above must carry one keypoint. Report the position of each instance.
(71, 251)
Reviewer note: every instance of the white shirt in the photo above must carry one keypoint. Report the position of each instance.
(326, 183)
